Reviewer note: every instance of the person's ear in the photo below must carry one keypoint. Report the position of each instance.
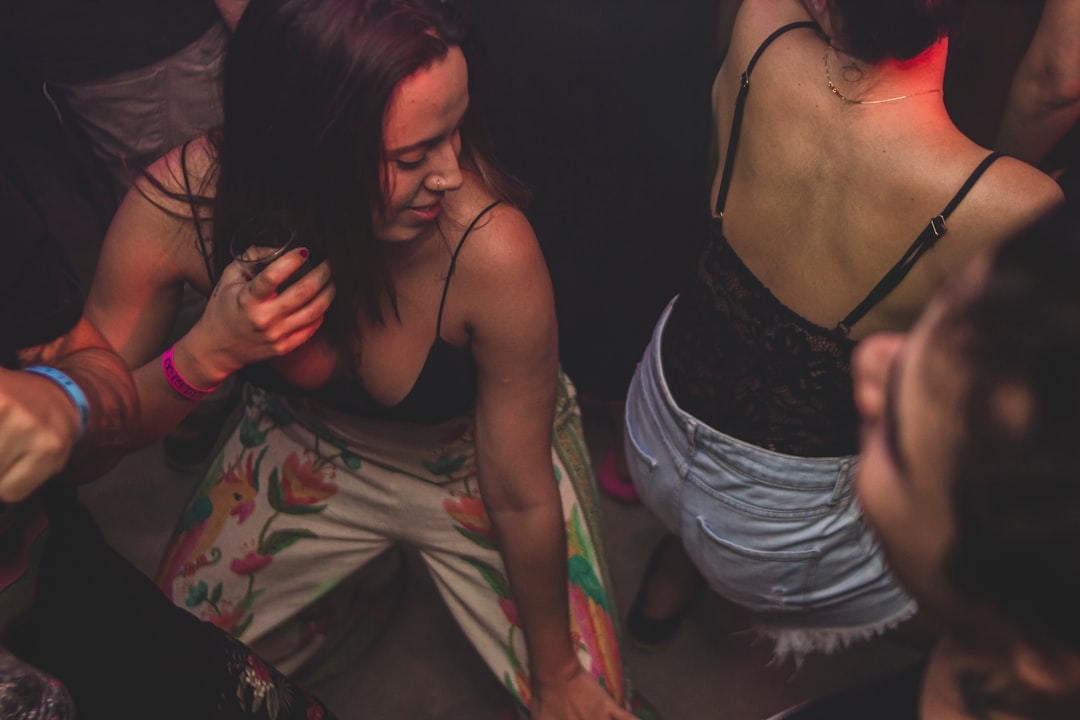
(1048, 670)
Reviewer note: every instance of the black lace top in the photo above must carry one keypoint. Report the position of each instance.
(738, 359)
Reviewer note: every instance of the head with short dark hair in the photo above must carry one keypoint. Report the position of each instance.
(876, 30)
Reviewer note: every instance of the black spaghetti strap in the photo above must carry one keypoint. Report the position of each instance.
(195, 213)
(926, 240)
(736, 120)
(453, 264)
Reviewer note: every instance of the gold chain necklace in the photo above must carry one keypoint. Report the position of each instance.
(836, 91)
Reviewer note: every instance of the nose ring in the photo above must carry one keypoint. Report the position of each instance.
(438, 183)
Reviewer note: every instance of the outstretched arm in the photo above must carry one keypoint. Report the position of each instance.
(1044, 100)
(516, 349)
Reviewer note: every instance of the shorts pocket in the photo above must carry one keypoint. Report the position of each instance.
(759, 580)
(648, 459)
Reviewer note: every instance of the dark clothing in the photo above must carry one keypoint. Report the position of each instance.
(738, 359)
(124, 651)
(39, 294)
(894, 697)
(73, 41)
(97, 624)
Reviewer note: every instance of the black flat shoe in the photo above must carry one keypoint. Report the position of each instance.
(650, 634)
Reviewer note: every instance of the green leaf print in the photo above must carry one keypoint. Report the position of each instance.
(250, 434)
(351, 461)
(276, 492)
(216, 595)
(281, 539)
(577, 537)
(240, 628)
(196, 595)
(495, 579)
(481, 540)
(273, 702)
(580, 573)
(446, 464)
(249, 600)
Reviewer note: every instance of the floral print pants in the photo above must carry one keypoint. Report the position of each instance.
(301, 497)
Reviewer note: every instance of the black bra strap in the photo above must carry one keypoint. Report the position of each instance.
(195, 213)
(453, 264)
(736, 120)
(926, 240)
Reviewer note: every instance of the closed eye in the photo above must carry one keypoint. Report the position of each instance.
(410, 164)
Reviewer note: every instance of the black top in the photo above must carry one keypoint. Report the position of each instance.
(445, 388)
(39, 301)
(72, 41)
(738, 359)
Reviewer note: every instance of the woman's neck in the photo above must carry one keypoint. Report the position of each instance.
(858, 82)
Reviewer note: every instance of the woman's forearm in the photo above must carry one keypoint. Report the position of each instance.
(533, 545)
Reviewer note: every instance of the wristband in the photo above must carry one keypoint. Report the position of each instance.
(71, 388)
(178, 383)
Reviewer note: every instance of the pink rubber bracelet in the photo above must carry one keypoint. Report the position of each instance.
(177, 381)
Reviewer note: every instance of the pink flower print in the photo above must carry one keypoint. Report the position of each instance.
(315, 712)
(510, 611)
(521, 680)
(227, 621)
(257, 665)
(471, 514)
(250, 564)
(303, 484)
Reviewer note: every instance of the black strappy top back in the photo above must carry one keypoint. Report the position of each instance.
(737, 358)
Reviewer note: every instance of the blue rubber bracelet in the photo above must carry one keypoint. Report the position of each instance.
(71, 388)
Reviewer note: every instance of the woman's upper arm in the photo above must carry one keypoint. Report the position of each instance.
(515, 344)
(148, 254)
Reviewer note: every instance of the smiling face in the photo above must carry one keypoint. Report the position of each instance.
(422, 144)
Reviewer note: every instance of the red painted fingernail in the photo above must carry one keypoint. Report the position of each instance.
(303, 252)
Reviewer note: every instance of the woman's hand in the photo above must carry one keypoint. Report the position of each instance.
(578, 697)
(247, 321)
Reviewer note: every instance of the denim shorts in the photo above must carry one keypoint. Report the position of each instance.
(777, 534)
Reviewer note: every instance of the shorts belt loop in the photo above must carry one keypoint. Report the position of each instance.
(841, 490)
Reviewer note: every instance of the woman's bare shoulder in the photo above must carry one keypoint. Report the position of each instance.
(186, 169)
(501, 251)
(1021, 193)
(153, 225)
(757, 19)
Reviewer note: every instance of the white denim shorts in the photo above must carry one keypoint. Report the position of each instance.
(778, 534)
